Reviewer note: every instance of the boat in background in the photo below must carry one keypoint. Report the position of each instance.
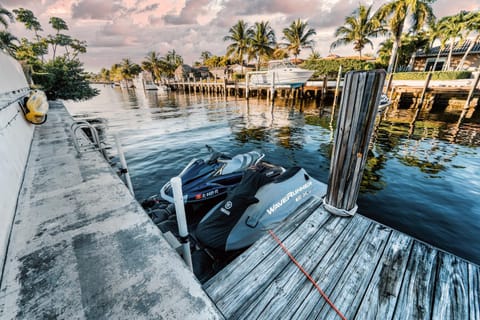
(282, 73)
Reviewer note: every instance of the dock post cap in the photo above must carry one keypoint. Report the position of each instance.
(339, 212)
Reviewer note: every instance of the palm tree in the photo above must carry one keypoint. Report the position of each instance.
(279, 53)
(128, 70)
(205, 55)
(452, 28)
(358, 28)
(153, 64)
(314, 55)
(298, 36)
(433, 34)
(396, 13)
(5, 16)
(262, 41)
(239, 36)
(472, 24)
(171, 62)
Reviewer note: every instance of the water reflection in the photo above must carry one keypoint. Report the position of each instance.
(421, 175)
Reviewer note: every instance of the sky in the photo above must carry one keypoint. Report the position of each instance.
(117, 29)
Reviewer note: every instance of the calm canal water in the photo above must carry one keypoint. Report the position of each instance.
(422, 179)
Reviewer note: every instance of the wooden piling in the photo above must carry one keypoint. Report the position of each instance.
(419, 104)
(356, 118)
(337, 87)
(424, 91)
(324, 90)
(469, 99)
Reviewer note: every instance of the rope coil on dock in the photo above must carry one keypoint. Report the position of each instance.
(339, 212)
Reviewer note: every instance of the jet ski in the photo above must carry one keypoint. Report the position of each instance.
(263, 199)
(205, 182)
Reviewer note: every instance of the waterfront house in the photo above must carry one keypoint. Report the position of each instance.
(425, 60)
(185, 71)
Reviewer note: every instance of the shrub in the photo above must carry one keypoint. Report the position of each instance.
(437, 75)
(330, 67)
(238, 76)
(64, 79)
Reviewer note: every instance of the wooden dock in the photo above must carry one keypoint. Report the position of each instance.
(367, 270)
(403, 96)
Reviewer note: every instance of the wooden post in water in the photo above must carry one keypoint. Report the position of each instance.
(356, 118)
(272, 88)
(247, 86)
(389, 84)
(424, 91)
(469, 99)
(324, 90)
(337, 87)
(419, 105)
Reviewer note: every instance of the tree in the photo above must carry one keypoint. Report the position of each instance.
(172, 62)
(239, 36)
(358, 28)
(128, 69)
(104, 75)
(314, 55)
(472, 24)
(7, 42)
(59, 39)
(5, 17)
(27, 17)
(153, 64)
(262, 41)
(298, 36)
(205, 55)
(63, 78)
(452, 28)
(173, 58)
(31, 22)
(395, 14)
(279, 53)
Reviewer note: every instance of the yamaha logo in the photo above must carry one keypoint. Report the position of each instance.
(225, 209)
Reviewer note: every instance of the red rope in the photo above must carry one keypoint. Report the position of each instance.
(309, 277)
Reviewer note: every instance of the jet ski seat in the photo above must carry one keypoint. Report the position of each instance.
(241, 162)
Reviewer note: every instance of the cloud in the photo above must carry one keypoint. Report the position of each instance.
(115, 29)
(96, 9)
(188, 14)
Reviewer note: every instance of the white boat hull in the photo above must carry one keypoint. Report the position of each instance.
(281, 73)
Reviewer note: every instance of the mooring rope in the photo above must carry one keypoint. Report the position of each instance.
(309, 277)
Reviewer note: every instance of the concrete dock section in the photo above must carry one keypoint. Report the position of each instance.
(81, 247)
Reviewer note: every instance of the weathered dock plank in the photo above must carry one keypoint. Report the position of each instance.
(451, 289)
(367, 270)
(416, 294)
(473, 294)
(381, 296)
(291, 288)
(272, 264)
(237, 270)
(349, 290)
